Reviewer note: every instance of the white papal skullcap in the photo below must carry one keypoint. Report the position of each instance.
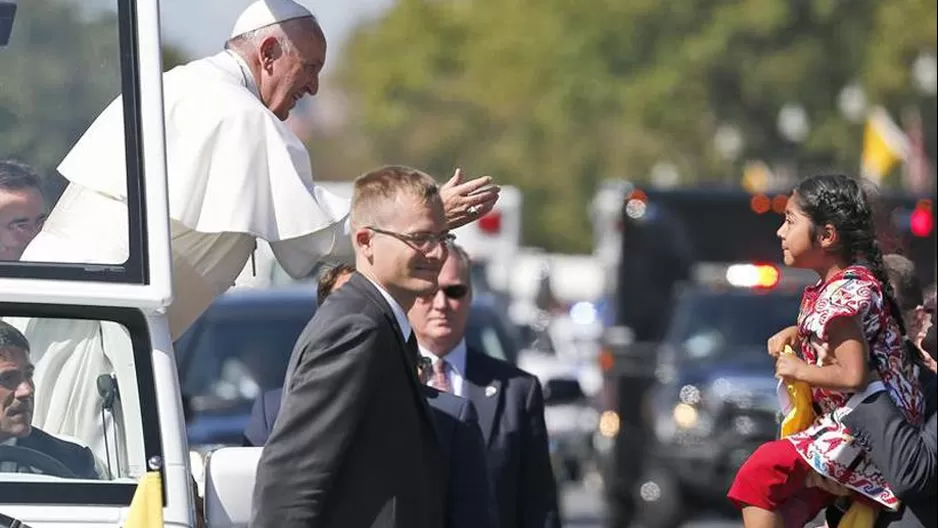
(263, 13)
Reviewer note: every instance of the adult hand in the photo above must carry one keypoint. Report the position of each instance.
(786, 336)
(466, 202)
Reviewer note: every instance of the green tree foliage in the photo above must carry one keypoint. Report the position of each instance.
(60, 69)
(555, 95)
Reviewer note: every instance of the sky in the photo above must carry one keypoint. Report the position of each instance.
(200, 27)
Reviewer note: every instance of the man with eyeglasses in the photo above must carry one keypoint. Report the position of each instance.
(469, 501)
(354, 444)
(22, 208)
(509, 401)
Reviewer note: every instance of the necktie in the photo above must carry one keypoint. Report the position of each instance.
(440, 379)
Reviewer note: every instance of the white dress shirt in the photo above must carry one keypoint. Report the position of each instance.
(456, 358)
(396, 308)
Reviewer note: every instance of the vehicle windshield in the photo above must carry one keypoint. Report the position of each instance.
(64, 62)
(232, 356)
(77, 401)
(723, 325)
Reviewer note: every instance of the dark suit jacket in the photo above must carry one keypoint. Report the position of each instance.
(354, 445)
(469, 501)
(905, 454)
(511, 413)
(76, 458)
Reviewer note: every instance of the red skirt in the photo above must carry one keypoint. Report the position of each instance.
(773, 478)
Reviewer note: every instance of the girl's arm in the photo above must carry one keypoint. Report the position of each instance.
(848, 370)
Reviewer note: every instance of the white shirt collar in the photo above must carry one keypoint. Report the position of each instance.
(396, 308)
(456, 357)
(9, 441)
(249, 82)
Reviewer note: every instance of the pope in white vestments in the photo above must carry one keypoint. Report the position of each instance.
(236, 173)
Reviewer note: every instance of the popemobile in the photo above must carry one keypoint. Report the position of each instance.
(115, 453)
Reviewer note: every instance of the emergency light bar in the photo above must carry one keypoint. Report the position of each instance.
(752, 275)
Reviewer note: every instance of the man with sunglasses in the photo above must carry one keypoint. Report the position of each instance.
(509, 401)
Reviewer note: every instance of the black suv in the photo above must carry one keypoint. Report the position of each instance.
(714, 400)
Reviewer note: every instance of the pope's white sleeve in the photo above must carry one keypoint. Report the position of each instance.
(299, 255)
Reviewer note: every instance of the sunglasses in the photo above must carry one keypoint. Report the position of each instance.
(455, 291)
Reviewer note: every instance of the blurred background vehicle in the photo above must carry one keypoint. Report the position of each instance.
(240, 347)
(714, 400)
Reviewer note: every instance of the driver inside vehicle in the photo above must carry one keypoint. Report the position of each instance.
(24, 448)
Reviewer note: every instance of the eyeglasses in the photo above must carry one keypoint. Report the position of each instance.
(423, 242)
(455, 291)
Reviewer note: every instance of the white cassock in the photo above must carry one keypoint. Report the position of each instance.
(236, 173)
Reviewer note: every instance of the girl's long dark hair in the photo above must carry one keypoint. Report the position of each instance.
(843, 202)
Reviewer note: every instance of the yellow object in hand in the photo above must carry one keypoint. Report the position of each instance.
(859, 515)
(801, 415)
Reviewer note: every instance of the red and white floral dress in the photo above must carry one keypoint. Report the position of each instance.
(827, 446)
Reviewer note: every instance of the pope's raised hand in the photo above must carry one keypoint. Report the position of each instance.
(466, 202)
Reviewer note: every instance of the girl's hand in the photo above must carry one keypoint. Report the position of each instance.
(786, 336)
(814, 480)
(789, 367)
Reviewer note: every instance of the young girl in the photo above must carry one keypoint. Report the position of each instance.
(848, 325)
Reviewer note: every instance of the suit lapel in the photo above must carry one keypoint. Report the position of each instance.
(485, 392)
(408, 356)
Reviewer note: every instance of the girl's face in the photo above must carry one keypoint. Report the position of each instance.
(799, 247)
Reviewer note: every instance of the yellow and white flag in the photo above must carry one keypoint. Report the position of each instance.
(885, 144)
(146, 508)
(757, 177)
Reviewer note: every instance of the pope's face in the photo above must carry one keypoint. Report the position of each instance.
(295, 73)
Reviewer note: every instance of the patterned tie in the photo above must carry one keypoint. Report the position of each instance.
(440, 379)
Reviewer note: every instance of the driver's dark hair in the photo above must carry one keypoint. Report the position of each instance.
(16, 176)
(10, 337)
(846, 204)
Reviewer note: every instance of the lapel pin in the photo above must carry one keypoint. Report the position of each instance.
(490, 391)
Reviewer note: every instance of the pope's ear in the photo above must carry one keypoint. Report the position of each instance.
(269, 50)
